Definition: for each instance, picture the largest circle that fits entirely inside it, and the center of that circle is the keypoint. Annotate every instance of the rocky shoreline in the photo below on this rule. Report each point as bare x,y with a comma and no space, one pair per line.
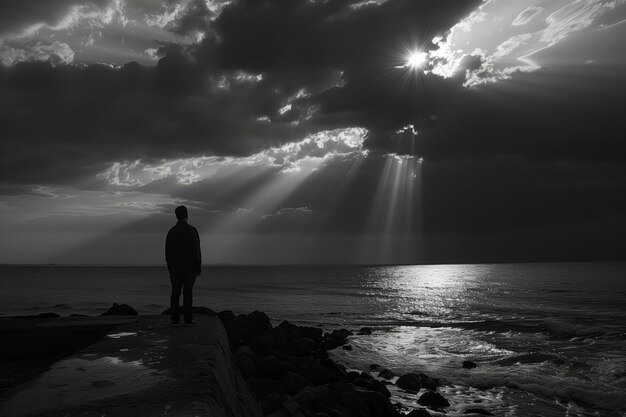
288,368
291,373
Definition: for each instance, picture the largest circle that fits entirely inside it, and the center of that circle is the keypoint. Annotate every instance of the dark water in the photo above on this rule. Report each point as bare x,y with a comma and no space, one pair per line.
549,339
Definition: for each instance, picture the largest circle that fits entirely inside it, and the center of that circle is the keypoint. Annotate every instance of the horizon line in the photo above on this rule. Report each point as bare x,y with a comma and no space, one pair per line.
321,264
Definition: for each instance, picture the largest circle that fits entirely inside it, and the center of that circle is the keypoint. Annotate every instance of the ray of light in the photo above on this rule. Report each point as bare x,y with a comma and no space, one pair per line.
391,217
235,227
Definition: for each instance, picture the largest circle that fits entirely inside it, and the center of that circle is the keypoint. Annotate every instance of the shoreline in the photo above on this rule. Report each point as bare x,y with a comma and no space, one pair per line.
286,367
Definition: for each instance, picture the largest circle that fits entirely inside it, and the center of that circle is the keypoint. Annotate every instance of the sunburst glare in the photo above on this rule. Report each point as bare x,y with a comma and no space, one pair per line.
416,59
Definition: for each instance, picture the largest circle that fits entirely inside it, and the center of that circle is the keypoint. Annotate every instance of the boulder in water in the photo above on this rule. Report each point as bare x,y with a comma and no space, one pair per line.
336,338
372,385
420,412
386,374
364,331
469,365
410,381
480,411
120,310
428,382
433,400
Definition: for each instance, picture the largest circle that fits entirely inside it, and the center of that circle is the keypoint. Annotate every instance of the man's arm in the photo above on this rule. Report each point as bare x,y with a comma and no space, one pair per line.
168,252
197,254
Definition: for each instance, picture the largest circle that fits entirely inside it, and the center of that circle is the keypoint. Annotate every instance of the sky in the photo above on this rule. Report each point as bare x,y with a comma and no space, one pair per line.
313,131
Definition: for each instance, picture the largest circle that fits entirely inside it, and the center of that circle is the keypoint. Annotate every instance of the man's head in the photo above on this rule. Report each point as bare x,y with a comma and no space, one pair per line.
181,213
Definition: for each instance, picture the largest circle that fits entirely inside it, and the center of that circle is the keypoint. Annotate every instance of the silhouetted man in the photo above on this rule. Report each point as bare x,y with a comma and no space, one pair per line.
182,253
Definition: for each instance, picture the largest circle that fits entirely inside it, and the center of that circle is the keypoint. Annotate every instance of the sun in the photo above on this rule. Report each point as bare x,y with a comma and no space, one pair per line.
416,59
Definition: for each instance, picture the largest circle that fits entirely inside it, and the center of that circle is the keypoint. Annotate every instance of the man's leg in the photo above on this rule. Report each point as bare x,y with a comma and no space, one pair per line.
188,297
177,286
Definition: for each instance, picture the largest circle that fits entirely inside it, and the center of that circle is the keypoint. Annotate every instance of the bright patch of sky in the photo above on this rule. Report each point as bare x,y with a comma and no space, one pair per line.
305,154
118,32
509,36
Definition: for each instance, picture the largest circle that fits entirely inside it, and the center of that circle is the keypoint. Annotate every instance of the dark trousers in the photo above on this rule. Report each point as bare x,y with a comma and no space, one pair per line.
184,283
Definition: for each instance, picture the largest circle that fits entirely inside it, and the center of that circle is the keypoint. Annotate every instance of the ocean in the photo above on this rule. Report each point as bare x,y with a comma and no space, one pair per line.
549,339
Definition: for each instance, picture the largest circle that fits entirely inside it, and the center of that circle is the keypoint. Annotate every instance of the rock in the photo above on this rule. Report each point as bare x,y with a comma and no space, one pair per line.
352,375
336,390
299,347
280,413
271,402
293,382
480,411
374,366
263,386
347,347
428,382
386,374
226,315
410,381
317,373
245,350
267,339
420,412
280,336
336,338
245,364
313,333
312,396
372,385
272,368
366,375
433,400
309,343
364,331
260,321
291,406
336,369
333,410
355,404
469,365
375,401
241,331
120,310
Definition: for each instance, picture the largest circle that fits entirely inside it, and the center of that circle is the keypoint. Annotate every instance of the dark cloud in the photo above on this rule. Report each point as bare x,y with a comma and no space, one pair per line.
70,121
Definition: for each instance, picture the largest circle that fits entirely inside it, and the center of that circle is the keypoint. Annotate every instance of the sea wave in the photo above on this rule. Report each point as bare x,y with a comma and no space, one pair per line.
603,396
554,327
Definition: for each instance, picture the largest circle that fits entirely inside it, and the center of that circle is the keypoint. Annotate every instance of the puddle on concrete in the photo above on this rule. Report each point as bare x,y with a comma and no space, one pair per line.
79,380
121,334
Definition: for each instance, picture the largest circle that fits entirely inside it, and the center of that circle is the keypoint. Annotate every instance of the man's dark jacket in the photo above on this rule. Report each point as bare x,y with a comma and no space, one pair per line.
182,249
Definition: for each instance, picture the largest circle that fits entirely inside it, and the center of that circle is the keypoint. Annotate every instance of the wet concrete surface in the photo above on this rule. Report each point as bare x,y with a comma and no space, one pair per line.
142,368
